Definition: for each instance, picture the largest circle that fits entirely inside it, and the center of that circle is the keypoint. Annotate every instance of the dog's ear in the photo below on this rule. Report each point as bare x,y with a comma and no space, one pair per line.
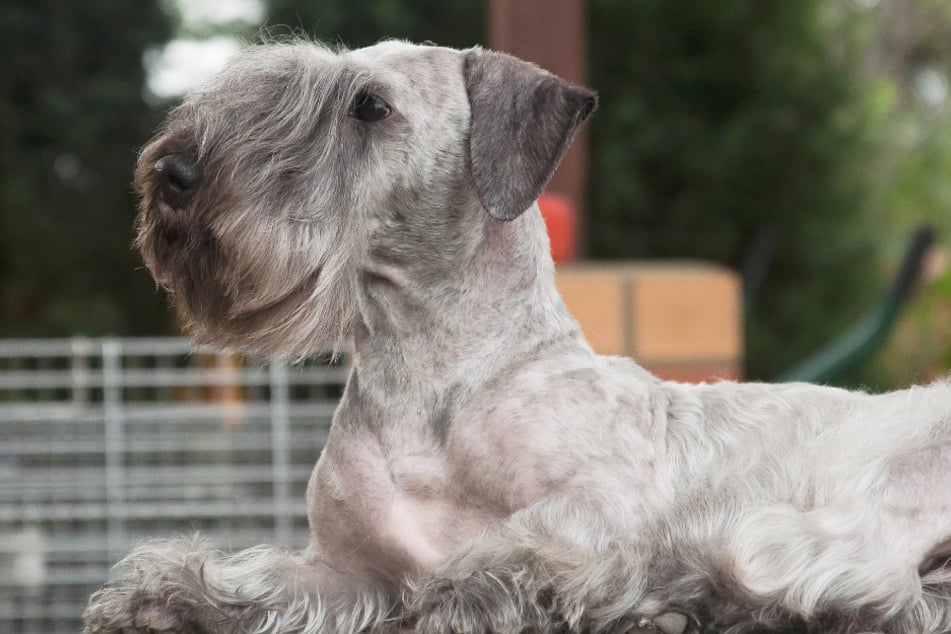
522,121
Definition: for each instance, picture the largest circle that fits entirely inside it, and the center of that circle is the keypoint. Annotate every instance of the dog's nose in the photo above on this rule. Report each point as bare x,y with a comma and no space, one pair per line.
178,179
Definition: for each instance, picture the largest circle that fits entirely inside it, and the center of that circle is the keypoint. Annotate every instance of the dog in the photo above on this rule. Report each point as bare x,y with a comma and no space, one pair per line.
486,471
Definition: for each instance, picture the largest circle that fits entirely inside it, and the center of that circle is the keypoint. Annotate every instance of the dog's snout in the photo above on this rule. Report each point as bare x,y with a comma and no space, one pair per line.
177,179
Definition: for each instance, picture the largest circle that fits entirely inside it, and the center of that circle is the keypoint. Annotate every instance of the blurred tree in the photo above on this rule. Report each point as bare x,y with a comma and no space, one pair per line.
457,23
908,55
73,113
721,121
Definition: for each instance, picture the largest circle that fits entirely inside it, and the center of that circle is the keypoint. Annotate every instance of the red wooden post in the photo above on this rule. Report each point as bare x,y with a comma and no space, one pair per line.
550,33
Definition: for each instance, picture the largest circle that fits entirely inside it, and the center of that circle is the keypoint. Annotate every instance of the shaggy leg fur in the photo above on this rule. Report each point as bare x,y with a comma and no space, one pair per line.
179,585
550,568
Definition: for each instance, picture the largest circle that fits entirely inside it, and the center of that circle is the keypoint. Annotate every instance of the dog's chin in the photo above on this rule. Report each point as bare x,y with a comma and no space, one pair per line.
305,321
232,312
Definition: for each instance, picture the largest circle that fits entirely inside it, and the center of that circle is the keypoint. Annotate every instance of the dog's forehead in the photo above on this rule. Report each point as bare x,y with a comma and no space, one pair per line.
399,52
379,52
392,61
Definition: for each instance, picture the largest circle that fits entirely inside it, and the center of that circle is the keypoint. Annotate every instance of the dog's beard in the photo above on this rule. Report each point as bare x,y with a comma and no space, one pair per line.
303,323
274,293
315,315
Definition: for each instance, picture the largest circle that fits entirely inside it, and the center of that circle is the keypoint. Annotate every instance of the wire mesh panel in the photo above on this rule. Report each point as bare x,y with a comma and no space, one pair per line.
105,442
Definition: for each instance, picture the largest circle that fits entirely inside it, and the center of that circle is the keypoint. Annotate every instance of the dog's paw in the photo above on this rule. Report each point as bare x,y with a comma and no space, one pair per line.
482,603
123,610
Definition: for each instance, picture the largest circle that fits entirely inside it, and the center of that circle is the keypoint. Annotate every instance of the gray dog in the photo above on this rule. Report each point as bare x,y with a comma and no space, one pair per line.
486,471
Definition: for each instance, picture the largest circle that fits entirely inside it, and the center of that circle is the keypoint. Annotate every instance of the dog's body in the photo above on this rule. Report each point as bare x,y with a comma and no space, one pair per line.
486,471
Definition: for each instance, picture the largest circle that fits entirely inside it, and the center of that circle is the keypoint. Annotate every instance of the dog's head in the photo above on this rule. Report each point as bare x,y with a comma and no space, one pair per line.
268,190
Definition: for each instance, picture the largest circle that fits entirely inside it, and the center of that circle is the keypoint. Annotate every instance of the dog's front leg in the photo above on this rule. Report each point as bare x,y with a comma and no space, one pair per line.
554,567
180,585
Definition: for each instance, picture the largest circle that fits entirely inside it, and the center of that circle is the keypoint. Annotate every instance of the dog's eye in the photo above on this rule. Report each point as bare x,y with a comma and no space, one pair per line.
367,107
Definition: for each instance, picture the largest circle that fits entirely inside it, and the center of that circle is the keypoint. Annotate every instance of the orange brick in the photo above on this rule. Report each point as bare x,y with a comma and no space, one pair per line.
686,313
681,320
595,297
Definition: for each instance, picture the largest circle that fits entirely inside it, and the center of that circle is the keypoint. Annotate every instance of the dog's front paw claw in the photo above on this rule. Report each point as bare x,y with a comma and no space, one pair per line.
479,604
668,623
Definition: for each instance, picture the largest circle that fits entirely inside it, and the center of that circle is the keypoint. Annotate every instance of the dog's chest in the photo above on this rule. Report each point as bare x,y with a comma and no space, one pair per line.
395,514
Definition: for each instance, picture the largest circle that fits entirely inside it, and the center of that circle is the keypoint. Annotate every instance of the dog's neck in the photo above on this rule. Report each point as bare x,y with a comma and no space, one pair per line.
495,310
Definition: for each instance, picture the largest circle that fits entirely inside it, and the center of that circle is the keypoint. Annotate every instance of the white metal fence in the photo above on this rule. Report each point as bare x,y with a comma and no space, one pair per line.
104,442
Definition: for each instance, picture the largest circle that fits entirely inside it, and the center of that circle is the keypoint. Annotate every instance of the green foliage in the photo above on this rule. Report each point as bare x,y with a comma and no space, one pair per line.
918,190
922,350
919,187
719,120
73,114
908,48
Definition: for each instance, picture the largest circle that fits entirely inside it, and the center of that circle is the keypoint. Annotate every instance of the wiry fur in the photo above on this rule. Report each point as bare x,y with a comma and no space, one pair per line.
182,585
274,146
486,471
